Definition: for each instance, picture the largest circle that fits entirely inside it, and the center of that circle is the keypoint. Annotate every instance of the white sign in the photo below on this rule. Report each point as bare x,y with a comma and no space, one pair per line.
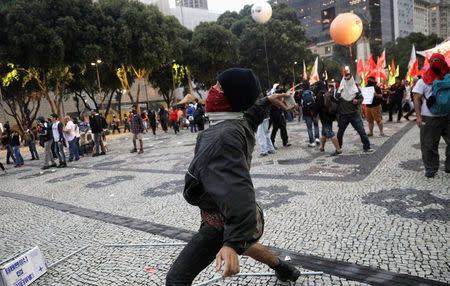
23,269
368,93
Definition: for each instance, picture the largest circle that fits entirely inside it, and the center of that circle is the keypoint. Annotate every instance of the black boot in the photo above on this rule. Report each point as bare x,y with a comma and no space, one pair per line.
286,272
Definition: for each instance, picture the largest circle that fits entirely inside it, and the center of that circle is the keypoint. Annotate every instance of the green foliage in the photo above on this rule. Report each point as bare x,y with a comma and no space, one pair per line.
400,50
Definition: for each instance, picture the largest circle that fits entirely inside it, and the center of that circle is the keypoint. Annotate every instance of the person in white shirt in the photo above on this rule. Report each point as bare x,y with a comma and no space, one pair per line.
407,98
58,138
70,134
432,126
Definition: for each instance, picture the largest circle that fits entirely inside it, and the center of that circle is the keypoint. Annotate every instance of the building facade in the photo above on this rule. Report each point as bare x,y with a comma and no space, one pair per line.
198,4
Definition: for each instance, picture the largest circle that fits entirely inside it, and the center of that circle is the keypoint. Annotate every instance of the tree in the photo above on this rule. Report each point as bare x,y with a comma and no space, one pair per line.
212,50
400,51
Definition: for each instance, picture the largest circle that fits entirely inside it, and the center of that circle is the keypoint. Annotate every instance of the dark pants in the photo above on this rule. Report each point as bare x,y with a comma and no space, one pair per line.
282,126
2,167
193,126
115,127
196,256
73,150
9,154
200,124
176,126
59,149
153,126
164,125
33,151
309,124
19,159
99,143
126,127
430,134
394,104
356,121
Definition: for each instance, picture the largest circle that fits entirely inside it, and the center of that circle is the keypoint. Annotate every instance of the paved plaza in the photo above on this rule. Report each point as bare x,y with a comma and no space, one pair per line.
362,219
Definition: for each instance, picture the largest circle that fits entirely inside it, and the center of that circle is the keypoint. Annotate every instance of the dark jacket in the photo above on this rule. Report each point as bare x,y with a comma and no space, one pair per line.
60,132
218,177
348,107
325,116
96,123
45,133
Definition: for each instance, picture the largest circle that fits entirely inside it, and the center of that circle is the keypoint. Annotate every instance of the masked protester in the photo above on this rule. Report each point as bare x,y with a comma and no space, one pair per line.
218,182
432,126
350,99
396,97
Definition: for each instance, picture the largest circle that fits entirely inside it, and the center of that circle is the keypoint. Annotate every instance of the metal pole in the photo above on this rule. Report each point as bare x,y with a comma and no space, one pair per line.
267,59
145,244
65,257
98,81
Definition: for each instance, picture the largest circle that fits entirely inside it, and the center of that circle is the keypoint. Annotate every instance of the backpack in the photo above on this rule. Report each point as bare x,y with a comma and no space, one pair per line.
439,102
309,99
330,105
27,137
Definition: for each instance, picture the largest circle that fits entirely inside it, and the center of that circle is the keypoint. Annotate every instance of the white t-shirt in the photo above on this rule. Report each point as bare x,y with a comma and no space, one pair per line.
77,130
408,91
55,131
426,90
70,127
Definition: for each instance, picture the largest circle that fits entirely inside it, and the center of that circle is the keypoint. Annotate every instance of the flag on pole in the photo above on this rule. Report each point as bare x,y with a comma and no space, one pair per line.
370,64
360,69
314,74
305,74
412,61
383,59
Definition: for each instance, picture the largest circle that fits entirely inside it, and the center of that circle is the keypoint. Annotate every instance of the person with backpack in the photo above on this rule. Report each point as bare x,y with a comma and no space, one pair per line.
97,124
6,142
15,143
199,117
326,107
137,129
152,121
350,99
46,141
30,139
190,114
308,99
278,120
432,105
373,110
163,118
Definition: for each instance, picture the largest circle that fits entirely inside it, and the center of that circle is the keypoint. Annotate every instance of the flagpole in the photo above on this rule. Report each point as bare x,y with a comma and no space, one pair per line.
267,59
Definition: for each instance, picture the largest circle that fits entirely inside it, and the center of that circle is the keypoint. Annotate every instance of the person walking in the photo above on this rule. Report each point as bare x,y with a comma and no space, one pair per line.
30,139
199,116
326,107
350,98
408,98
432,126
264,141
373,110
152,121
218,181
126,123
278,120
396,95
310,114
115,124
77,134
174,120
190,114
46,141
69,131
162,115
6,142
15,143
137,128
58,138
3,168
97,124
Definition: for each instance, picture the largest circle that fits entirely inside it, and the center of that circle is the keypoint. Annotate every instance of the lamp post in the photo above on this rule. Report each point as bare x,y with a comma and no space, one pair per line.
293,73
173,81
98,75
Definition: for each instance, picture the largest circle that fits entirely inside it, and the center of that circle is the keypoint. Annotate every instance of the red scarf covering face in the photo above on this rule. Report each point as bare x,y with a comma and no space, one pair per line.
437,70
216,101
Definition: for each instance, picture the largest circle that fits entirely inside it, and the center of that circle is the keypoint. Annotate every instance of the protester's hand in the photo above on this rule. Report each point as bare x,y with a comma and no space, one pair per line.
277,100
419,121
230,257
355,101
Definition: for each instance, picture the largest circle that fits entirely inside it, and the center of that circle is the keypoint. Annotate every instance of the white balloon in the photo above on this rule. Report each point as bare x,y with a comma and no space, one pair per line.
261,12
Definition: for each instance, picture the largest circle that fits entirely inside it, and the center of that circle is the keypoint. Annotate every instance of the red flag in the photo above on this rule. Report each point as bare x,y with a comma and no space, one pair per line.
343,72
426,63
360,69
393,68
415,68
305,75
370,64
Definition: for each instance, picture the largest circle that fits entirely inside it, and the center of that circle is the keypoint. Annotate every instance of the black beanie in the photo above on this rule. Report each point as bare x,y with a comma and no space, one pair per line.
241,87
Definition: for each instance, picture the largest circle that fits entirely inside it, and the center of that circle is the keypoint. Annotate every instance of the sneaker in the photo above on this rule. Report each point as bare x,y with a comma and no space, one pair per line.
407,118
32,159
141,151
272,152
322,150
430,174
133,151
287,145
52,165
317,141
103,153
383,135
370,135
95,155
312,145
263,155
370,150
62,165
286,272
336,153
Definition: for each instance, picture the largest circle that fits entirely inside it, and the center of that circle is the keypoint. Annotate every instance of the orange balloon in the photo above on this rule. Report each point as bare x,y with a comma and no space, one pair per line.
346,29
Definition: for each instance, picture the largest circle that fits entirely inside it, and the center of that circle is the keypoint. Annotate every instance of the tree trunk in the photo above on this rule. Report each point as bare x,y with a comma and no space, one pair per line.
109,103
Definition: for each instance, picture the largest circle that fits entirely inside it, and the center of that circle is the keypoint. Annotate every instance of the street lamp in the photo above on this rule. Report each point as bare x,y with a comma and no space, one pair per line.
98,75
293,72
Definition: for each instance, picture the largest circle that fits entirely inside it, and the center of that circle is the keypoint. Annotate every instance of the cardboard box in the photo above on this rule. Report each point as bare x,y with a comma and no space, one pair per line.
23,269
